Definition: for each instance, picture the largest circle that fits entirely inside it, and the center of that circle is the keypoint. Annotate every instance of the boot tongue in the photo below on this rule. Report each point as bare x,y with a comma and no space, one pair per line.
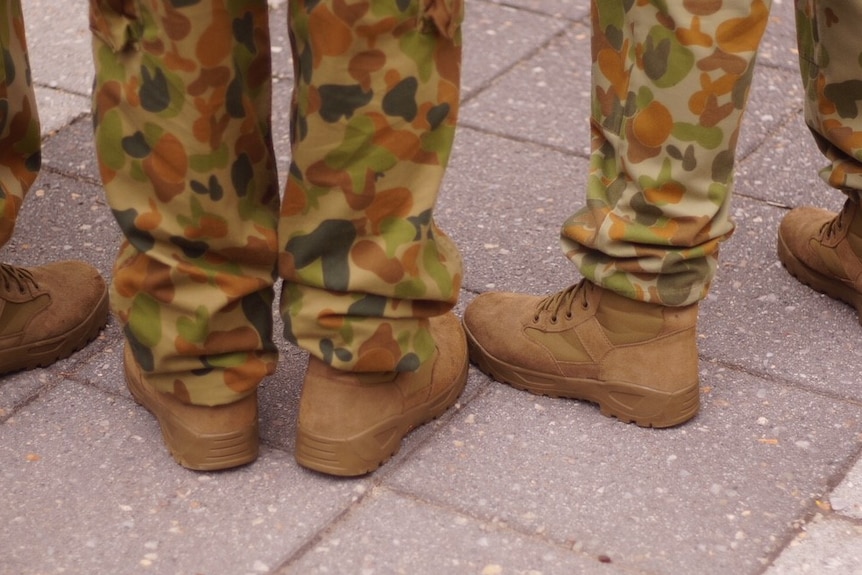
627,321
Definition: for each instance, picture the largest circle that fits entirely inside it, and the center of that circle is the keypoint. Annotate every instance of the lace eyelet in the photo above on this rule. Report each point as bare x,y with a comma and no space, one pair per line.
553,319
569,315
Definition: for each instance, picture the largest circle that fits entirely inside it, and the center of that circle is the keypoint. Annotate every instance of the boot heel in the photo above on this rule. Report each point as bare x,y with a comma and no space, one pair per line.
648,408
197,437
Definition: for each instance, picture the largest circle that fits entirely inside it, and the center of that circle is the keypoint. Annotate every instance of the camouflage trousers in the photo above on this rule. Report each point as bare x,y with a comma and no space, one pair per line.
20,141
670,85
182,114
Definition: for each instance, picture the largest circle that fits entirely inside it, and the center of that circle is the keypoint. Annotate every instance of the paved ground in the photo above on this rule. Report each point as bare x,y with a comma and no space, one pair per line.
766,479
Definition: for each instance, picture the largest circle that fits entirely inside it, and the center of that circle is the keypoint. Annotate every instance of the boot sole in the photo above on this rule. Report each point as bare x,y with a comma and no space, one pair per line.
47,351
628,402
193,449
834,288
364,453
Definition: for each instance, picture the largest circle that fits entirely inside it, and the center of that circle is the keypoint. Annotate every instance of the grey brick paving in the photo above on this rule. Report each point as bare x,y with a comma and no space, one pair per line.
766,480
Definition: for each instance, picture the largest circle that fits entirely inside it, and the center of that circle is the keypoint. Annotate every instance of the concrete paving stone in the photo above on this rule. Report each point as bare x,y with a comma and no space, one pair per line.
572,9
758,317
846,499
544,100
717,495
71,152
281,128
828,545
282,66
504,202
393,533
57,108
16,389
101,365
496,37
63,218
144,513
69,369
775,98
59,42
784,171
278,397
778,47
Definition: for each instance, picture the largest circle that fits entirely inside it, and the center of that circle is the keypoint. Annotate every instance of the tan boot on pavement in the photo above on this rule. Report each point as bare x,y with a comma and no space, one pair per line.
637,360
199,437
350,423
822,250
48,312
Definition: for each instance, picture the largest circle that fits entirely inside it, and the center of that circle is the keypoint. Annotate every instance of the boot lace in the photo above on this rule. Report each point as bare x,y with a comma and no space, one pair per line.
562,303
835,226
15,277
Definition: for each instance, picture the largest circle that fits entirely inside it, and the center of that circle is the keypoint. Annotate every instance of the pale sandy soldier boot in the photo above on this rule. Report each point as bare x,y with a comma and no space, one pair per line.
48,312
822,250
351,423
637,360
199,437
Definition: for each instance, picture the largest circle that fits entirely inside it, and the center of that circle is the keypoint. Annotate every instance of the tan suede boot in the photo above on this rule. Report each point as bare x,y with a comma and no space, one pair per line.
821,249
199,437
637,360
48,312
351,423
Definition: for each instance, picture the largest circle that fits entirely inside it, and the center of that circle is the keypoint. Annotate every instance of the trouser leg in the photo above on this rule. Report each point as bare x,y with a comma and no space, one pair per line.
375,107
20,142
830,58
670,84
181,112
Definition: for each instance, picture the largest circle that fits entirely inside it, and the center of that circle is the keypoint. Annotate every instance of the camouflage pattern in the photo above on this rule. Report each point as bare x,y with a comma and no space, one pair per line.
670,84
830,58
357,234
671,81
182,124
20,140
